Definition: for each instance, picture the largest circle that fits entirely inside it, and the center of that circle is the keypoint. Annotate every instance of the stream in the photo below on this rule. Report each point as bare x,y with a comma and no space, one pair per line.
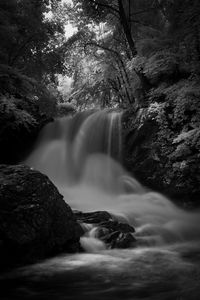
82,155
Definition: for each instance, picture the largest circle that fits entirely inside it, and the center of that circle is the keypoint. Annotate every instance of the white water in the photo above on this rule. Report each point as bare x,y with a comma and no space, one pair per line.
81,156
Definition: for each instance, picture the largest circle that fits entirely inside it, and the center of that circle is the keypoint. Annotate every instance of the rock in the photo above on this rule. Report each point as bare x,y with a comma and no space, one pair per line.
35,221
111,238
93,217
125,240
119,239
102,232
151,158
141,153
113,233
117,226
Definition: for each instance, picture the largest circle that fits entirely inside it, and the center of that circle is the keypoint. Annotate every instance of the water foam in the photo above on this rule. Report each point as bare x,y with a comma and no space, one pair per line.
81,155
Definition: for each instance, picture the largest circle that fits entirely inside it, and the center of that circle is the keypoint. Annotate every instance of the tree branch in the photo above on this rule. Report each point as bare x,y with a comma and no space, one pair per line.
102,47
106,6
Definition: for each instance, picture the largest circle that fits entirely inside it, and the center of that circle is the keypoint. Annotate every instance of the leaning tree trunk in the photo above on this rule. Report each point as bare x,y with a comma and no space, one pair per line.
126,27
127,30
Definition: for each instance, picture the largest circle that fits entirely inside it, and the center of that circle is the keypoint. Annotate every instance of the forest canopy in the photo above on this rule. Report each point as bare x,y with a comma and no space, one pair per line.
118,52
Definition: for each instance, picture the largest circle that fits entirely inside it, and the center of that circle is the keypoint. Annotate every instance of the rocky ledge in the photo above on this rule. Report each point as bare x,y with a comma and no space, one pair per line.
108,229
35,221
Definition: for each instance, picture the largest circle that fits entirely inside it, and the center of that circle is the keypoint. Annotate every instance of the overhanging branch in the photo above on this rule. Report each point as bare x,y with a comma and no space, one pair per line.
111,8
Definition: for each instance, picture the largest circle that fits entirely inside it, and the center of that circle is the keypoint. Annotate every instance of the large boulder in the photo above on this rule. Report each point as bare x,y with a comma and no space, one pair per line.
35,221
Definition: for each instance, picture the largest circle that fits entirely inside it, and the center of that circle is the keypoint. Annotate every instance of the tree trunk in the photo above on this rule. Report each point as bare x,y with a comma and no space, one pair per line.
126,27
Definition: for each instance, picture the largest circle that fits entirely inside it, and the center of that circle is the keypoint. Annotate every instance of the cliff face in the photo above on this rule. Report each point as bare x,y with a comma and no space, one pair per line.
152,155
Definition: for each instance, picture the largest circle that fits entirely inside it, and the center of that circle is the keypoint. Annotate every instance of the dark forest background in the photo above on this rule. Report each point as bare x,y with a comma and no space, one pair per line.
142,56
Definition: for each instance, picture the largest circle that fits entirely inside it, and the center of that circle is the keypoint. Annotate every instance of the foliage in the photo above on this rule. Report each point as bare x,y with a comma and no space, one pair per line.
163,63
31,40
181,113
25,105
30,95
12,118
106,42
17,128
28,40
176,110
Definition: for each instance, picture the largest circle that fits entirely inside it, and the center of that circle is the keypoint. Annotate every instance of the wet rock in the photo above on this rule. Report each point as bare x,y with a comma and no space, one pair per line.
114,225
119,239
93,217
35,221
111,238
113,233
102,232
125,240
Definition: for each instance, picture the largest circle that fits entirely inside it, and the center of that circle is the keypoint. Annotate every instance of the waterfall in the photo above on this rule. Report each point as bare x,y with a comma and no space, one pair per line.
81,155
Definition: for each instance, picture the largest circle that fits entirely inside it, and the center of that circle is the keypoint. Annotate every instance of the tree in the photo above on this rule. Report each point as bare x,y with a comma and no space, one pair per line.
123,20
28,40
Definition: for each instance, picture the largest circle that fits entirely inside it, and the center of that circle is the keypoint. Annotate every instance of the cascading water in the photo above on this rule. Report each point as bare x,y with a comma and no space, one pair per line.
81,155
